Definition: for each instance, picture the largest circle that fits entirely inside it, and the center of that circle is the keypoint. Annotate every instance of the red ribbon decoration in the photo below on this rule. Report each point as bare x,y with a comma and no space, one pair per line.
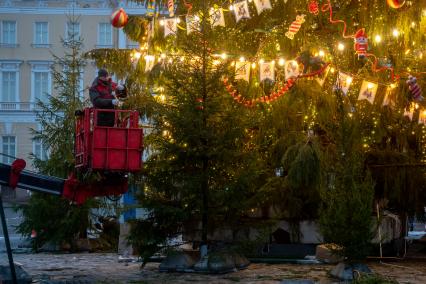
374,68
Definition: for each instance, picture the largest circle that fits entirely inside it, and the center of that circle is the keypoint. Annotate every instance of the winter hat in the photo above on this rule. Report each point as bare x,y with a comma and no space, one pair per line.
102,73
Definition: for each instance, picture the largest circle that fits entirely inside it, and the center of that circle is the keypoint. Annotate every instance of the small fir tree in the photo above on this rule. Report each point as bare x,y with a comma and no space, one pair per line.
56,116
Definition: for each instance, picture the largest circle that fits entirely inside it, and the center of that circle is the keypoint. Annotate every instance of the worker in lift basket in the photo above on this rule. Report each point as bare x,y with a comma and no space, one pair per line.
102,96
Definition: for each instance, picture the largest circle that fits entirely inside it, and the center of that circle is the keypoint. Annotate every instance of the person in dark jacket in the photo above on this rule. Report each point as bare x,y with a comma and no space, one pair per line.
102,96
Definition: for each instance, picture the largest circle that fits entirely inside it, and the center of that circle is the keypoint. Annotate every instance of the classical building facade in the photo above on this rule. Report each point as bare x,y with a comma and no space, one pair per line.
30,31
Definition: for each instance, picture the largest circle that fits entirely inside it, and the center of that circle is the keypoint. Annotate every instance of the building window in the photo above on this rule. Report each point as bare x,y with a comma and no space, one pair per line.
72,31
41,34
132,43
9,86
41,86
105,34
8,149
40,149
8,33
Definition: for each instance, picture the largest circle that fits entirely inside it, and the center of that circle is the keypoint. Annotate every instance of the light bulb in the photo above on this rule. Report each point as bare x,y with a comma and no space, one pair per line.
395,33
253,65
377,38
261,61
137,55
223,56
348,80
281,62
370,86
161,22
321,53
340,46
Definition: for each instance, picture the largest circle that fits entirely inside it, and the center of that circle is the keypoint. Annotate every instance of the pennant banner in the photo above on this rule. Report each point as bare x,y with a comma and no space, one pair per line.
389,99
192,24
368,91
242,70
321,78
149,62
217,17
241,10
262,5
267,71
344,82
291,69
170,26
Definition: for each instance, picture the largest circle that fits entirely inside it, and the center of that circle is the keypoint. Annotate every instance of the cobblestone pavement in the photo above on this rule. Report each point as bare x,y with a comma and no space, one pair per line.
105,268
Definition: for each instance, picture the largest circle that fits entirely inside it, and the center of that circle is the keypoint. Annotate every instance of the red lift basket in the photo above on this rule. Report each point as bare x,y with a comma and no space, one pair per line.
116,148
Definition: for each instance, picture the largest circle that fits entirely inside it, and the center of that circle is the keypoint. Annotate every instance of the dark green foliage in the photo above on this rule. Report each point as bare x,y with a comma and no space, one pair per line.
348,193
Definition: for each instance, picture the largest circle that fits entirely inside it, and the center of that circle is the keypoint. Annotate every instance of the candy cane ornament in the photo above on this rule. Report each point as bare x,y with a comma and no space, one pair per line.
295,26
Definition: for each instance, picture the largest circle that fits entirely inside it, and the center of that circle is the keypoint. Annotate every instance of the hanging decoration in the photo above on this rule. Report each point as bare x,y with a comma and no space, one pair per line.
361,43
396,4
267,71
414,88
242,70
295,26
389,99
422,117
149,62
192,23
313,7
262,5
217,17
343,83
170,26
321,78
171,8
280,91
409,111
291,69
368,91
119,18
150,8
241,10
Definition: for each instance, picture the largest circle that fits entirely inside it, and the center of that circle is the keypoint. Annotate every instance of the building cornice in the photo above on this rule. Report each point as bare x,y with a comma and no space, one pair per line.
66,10
18,117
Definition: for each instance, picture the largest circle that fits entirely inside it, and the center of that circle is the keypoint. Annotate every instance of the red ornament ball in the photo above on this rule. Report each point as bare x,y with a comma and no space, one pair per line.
396,4
119,18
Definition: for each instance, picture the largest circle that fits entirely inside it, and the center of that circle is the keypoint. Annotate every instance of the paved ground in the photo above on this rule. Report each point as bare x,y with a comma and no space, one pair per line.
105,268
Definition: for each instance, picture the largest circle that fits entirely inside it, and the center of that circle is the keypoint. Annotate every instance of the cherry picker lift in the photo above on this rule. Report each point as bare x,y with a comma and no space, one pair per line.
111,151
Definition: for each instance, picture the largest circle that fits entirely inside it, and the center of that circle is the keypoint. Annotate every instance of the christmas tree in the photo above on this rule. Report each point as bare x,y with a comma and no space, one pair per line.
237,91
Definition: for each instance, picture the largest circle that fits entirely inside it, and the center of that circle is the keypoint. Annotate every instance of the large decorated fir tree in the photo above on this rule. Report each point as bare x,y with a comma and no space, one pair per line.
246,100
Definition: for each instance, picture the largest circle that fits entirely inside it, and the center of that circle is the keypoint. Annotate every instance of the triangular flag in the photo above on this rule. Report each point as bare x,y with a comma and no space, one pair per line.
262,5
409,112
267,71
216,17
368,91
422,117
389,99
291,69
344,81
192,23
170,26
241,10
242,70
149,62
321,78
